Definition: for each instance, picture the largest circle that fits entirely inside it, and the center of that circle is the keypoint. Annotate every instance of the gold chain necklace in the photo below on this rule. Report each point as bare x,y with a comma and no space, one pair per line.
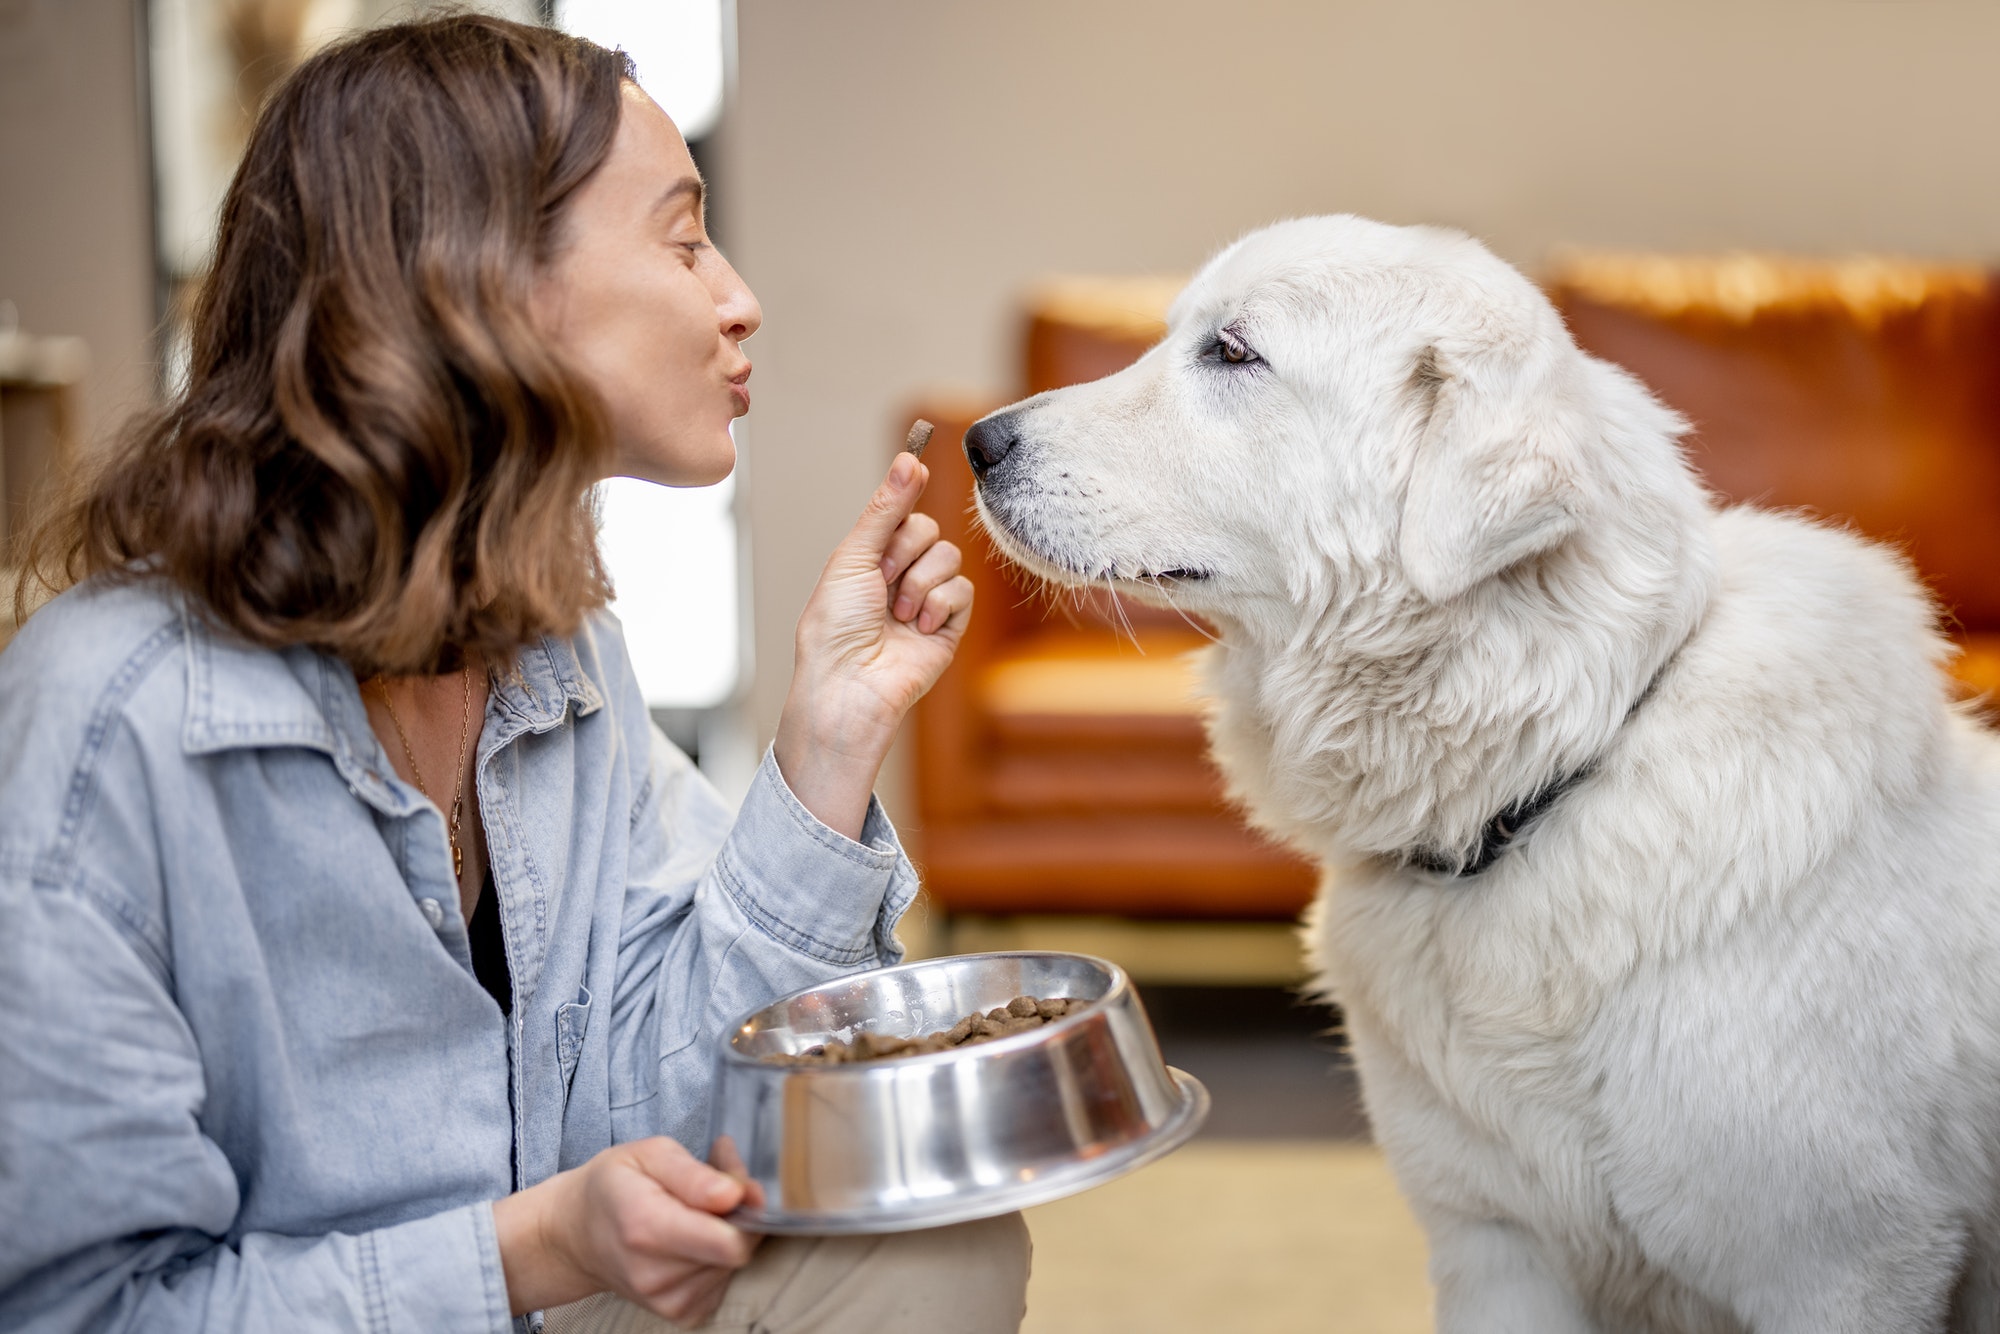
458,794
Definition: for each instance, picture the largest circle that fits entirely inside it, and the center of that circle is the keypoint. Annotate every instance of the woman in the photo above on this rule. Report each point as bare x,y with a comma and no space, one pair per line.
365,944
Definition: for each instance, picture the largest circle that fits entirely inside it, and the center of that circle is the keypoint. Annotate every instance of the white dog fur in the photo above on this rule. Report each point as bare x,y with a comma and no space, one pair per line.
1715,1045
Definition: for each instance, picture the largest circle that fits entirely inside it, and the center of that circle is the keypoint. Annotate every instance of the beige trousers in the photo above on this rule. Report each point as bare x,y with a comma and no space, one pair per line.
968,1279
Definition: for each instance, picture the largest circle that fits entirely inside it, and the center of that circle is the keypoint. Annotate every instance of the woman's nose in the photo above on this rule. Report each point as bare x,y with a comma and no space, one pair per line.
737,305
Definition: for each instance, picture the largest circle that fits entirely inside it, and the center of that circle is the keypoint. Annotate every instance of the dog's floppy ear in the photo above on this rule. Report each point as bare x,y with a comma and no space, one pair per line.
1494,479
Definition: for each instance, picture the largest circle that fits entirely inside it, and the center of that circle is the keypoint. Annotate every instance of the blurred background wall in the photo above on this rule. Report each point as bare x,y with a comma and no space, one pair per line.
894,172
76,231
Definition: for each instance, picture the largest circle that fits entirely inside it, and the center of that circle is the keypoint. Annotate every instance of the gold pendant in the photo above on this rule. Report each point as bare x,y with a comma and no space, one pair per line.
457,862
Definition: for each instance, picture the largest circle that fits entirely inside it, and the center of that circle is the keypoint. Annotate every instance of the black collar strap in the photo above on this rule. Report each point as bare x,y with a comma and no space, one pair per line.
1501,831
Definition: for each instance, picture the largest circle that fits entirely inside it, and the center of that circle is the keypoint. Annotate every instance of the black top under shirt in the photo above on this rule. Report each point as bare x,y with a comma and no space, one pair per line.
489,947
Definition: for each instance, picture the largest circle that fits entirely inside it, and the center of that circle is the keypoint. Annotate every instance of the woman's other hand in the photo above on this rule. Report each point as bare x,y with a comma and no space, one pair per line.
642,1220
877,632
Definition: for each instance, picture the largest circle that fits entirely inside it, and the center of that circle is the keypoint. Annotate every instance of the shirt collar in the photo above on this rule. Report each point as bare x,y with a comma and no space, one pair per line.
244,697
240,695
545,681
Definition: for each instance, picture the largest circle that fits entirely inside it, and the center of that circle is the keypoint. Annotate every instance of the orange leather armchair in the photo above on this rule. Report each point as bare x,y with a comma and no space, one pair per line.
1863,390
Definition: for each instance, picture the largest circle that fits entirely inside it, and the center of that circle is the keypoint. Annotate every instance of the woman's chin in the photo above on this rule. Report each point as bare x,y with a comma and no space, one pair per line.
721,465
682,464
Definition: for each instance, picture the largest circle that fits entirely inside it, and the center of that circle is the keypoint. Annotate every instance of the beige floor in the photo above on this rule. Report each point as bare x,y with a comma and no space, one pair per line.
1234,1238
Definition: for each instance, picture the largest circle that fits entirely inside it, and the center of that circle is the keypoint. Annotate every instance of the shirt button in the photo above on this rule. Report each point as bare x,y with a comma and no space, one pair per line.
433,912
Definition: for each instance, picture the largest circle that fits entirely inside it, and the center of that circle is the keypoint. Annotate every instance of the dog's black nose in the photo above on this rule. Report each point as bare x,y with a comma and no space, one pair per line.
988,442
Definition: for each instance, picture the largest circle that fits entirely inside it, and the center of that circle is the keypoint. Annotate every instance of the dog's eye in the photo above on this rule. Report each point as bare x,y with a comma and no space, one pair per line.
1228,347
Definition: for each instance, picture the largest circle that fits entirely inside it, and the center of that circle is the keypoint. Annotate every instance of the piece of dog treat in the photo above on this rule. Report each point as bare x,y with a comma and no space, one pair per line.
919,436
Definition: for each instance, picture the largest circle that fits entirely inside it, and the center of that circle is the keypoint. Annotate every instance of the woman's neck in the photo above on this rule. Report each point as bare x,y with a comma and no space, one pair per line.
429,727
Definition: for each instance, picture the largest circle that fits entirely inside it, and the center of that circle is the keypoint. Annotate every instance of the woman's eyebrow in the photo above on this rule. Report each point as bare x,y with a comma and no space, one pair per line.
686,188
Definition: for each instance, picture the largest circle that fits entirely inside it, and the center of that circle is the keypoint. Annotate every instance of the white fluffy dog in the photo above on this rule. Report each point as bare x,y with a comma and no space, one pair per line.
1662,880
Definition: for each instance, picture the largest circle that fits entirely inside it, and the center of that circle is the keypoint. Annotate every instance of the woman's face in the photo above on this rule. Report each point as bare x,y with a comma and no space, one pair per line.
648,310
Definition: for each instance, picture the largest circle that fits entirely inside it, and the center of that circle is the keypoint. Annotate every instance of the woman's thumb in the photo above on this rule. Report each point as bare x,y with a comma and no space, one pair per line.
685,1177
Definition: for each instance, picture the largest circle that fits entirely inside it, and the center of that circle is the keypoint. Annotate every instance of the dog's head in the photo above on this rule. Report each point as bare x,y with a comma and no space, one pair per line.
1340,408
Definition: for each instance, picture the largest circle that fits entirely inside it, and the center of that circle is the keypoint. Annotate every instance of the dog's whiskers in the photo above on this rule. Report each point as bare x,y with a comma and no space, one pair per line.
1160,587
1124,621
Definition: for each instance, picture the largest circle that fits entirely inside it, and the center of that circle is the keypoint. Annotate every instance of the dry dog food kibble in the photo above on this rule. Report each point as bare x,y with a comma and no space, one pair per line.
919,437
1016,1016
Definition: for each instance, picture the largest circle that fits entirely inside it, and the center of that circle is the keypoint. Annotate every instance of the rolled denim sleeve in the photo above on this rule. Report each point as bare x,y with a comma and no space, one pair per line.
727,914
117,1207
810,888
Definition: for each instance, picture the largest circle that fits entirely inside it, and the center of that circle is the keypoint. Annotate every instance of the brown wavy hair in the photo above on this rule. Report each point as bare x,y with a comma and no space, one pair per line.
376,453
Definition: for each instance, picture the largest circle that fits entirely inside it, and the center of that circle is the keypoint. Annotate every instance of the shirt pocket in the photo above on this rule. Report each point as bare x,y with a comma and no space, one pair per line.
572,1022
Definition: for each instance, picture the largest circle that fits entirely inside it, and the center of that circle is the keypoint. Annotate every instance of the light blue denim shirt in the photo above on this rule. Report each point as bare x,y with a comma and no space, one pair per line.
248,1080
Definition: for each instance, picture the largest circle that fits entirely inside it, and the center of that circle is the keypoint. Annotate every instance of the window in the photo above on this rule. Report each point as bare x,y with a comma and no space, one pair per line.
673,561
677,46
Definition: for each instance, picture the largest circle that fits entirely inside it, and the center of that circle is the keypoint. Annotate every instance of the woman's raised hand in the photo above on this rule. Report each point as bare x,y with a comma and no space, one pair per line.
642,1220
878,631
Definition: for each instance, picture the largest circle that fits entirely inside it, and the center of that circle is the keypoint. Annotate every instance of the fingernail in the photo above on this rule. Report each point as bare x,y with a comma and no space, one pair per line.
903,471
903,609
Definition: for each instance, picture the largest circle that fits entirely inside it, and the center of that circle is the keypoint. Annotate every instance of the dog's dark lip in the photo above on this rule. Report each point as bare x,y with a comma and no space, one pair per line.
1070,570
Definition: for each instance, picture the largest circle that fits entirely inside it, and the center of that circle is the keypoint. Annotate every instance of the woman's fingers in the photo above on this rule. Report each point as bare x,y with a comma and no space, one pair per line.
673,1233
685,1177
637,1219
916,535
946,605
857,671
936,566
685,1226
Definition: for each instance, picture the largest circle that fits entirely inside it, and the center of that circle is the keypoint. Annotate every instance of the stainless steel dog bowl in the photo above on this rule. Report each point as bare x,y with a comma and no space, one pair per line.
922,1141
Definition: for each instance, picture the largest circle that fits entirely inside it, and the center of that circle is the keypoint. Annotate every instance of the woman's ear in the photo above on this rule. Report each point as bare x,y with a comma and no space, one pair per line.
1495,476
